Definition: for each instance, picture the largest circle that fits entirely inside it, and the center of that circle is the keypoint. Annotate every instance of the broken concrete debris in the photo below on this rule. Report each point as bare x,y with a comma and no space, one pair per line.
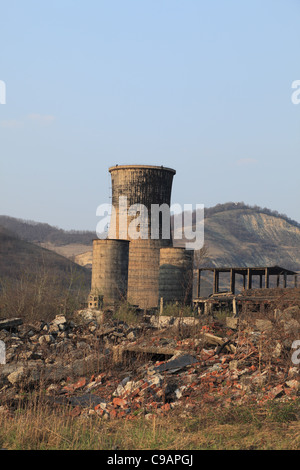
115,370
176,364
10,323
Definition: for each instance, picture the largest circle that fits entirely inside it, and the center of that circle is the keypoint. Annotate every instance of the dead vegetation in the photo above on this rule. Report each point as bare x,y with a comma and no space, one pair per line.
122,379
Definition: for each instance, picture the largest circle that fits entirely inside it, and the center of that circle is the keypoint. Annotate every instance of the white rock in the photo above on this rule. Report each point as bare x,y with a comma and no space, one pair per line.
16,376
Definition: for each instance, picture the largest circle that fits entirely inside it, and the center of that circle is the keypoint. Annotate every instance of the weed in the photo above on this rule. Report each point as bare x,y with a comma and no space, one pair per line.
177,310
127,314
283,412
239,427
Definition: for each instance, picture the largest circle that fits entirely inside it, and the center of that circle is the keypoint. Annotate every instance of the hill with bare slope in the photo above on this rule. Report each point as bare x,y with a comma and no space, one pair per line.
247,237
18,256
235,235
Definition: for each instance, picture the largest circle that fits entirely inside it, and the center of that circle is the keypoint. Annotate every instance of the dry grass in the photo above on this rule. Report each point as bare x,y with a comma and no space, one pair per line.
41,427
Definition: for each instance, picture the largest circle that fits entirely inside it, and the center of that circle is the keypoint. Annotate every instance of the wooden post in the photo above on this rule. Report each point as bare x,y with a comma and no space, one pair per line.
249,283
232,281
234,310
198,282
206,308
244,281
216,282
161,307
266,278
260,281
284,280
278,280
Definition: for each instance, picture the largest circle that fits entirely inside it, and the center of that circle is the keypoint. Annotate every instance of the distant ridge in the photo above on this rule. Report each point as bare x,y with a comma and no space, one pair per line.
241,235
38,232
208,212
236,234
18,256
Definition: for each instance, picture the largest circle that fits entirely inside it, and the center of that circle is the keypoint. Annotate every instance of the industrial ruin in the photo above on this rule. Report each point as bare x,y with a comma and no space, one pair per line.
100,364
246,288
150,272
140,270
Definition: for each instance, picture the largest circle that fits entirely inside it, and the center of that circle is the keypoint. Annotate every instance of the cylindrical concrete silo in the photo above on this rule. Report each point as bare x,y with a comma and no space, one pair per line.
176,275
110,269
151,187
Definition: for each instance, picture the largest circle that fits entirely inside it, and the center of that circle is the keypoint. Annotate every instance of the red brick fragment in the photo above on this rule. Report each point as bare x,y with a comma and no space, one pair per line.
81,383
166,407
75,411
119,402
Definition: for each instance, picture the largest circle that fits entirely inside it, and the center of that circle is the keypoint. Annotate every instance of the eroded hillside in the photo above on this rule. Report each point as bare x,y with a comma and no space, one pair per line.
234,235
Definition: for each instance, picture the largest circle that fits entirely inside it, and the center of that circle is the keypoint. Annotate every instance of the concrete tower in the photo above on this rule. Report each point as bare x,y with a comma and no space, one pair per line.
110,271
146,185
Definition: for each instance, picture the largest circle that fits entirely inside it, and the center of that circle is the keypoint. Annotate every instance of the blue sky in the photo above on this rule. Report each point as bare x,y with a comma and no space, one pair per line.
202,87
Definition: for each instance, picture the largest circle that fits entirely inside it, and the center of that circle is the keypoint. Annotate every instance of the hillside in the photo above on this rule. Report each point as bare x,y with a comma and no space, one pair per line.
37,232
240,235
19,256
36,283
235,235
67,243
246,237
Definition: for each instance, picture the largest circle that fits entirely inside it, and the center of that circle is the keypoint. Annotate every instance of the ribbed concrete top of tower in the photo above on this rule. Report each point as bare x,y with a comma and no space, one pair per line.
143,167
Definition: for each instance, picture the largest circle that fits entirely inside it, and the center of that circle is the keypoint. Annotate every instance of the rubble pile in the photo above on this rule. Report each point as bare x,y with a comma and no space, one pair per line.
115,370
277,297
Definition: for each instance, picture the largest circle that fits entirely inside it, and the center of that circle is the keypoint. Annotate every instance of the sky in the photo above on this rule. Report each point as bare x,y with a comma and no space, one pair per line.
203,87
